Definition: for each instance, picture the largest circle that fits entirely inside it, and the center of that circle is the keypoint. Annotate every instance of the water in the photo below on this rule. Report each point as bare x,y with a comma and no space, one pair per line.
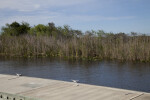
127,75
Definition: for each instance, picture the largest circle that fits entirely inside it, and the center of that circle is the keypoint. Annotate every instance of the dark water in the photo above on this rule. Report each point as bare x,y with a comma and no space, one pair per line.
132,76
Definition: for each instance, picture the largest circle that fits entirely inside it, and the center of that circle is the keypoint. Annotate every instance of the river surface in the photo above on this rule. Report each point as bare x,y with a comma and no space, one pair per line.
124,75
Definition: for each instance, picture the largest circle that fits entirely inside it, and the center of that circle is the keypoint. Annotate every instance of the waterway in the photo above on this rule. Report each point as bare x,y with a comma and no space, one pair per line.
124,75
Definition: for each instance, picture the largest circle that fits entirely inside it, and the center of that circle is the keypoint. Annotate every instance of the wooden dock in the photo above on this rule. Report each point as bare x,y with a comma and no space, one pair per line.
47,89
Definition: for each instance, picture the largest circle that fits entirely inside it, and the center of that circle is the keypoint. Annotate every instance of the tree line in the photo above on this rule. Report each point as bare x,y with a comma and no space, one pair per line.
21,40
17,29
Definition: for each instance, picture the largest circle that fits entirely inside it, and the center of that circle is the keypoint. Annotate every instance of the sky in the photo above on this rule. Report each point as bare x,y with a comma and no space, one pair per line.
108,15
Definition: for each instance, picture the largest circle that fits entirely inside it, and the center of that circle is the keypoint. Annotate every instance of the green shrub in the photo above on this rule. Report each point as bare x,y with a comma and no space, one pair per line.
15,29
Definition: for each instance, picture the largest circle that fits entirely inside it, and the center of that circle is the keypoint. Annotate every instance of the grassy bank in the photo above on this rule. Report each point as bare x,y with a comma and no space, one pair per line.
91,47
21,40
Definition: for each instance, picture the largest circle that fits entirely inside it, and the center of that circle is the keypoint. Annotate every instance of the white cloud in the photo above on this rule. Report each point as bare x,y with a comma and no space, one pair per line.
31,5
60,18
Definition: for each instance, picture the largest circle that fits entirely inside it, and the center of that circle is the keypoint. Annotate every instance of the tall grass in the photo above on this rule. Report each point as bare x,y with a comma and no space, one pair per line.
114,46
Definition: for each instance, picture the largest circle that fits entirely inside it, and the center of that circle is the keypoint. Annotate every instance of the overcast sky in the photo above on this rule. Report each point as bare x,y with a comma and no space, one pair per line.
108,15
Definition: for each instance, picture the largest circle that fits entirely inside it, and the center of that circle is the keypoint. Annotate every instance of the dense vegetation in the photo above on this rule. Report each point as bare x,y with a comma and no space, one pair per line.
48,40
